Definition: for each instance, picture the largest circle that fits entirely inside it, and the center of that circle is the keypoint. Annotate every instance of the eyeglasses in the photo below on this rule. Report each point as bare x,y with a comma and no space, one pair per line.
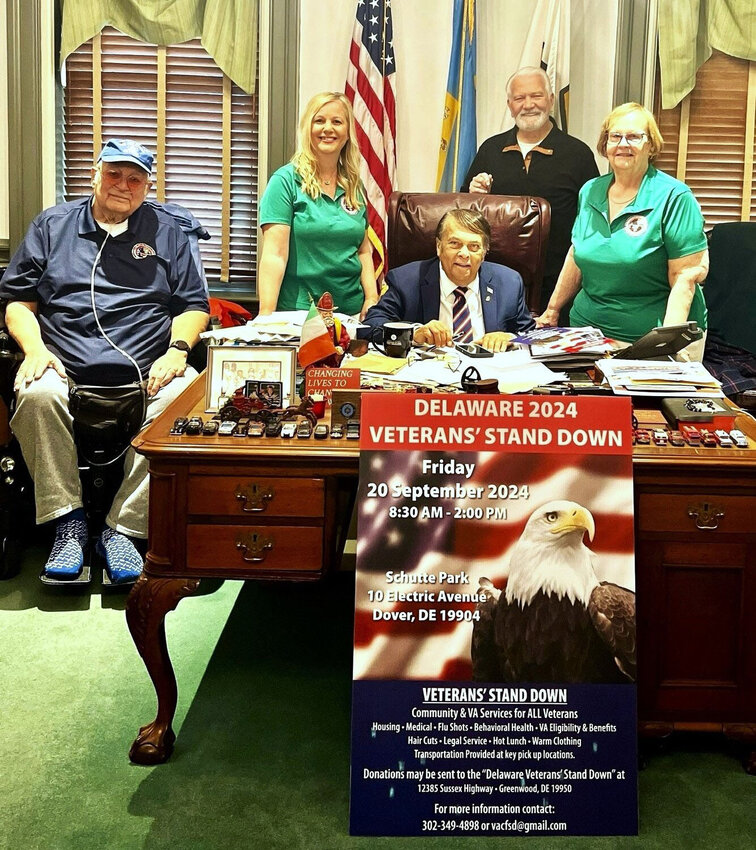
115,176
633,139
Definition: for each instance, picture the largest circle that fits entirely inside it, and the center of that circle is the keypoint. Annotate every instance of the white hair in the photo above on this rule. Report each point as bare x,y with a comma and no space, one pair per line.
527,71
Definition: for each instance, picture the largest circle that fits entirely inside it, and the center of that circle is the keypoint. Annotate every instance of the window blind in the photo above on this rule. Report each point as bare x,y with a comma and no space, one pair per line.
203,129
709,139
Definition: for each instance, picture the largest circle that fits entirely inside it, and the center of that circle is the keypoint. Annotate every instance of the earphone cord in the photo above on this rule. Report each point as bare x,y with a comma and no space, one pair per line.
97,318
109,340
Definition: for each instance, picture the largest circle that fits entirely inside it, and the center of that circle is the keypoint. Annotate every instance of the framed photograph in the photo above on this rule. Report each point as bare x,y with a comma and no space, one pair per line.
234,367
251,388
270,392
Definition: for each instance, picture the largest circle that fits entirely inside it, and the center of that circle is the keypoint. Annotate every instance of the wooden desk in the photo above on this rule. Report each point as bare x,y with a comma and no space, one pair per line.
278,509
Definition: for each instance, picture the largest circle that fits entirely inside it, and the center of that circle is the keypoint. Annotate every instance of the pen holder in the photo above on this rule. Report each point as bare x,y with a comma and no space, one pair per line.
473,383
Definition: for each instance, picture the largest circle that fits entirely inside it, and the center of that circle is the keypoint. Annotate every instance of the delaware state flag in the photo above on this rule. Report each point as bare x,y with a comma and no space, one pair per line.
458,130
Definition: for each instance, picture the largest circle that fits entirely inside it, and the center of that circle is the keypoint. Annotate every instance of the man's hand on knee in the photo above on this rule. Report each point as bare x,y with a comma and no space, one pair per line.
171,365
35,363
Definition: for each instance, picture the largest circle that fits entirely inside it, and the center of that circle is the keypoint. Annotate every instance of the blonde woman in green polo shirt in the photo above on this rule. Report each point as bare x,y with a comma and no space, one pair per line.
638,249
314,219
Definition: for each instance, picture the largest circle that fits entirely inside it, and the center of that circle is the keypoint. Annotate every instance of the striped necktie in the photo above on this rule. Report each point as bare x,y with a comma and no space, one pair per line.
462,322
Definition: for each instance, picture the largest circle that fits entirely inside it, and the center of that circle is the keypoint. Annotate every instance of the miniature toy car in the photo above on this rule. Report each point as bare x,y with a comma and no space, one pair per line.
676,438
641,437
709,439
304,429
739,438
691,434
288,430
194,425
320,432
210,428
179,425
256,429
660,437
227,428
242,426
724,438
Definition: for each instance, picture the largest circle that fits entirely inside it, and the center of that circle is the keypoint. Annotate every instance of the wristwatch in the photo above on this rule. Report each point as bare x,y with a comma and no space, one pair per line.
181,345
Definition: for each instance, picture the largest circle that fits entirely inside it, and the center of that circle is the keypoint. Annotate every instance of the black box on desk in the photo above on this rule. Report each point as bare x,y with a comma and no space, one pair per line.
706,413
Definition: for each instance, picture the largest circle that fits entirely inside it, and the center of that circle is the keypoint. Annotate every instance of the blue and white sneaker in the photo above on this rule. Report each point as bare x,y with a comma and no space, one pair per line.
123,562
67,555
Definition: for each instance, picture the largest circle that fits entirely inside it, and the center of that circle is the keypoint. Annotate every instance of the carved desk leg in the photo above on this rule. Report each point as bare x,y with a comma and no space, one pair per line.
746,734
148,603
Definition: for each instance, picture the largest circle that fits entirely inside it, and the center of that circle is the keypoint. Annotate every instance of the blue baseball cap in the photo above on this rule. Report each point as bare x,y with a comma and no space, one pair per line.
127,150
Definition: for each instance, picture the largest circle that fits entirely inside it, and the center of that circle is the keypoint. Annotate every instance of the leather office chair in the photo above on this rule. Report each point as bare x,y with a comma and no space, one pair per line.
520,227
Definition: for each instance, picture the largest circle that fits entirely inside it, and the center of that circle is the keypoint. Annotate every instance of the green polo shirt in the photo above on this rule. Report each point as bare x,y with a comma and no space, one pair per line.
624,264
323,243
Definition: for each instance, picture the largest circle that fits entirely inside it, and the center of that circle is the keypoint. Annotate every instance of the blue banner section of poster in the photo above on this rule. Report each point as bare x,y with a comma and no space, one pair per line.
459,758
494,643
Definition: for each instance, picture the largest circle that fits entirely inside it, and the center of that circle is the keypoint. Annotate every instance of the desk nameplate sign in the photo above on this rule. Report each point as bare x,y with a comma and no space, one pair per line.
324,381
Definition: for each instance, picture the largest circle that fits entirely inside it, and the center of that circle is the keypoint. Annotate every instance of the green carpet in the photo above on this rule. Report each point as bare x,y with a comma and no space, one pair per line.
262,756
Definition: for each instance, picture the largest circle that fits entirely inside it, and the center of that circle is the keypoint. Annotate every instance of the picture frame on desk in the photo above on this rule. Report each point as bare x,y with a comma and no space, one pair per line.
233,367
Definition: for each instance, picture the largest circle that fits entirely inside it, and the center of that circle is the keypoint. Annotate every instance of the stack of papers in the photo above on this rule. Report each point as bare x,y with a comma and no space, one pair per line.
566,348
284,326
659,378
515,371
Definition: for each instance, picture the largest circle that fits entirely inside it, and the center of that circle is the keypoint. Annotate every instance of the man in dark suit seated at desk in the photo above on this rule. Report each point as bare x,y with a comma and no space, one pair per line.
456,295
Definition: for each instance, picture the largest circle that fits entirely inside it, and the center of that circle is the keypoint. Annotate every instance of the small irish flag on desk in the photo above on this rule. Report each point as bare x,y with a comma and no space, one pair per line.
316,343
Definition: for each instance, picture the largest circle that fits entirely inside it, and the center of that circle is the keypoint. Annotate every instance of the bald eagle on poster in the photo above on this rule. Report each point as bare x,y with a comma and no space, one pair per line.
555,621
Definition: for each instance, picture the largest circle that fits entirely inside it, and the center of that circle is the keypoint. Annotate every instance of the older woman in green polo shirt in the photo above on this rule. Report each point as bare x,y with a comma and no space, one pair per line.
638,249
314,220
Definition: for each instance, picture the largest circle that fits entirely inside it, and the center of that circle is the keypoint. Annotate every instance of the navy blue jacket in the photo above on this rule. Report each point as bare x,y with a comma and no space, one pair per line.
414,295
145,277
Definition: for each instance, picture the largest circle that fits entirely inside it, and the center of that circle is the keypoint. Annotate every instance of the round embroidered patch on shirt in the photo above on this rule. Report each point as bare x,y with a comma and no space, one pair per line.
347,207
636,225
142,250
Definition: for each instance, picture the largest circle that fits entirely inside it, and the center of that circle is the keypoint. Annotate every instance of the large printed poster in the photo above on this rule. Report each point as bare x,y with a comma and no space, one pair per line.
494,649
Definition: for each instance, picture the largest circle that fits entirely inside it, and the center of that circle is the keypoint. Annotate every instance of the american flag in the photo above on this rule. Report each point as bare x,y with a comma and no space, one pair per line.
370,87
397,649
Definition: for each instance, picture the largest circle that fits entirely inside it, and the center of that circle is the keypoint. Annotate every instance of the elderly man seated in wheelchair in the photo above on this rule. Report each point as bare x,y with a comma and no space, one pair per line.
103,292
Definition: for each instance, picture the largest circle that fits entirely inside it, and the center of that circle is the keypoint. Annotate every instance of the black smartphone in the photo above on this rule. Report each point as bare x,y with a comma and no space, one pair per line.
470,349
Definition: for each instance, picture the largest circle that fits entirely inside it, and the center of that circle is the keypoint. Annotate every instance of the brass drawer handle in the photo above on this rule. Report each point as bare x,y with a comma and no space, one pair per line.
253,497
254,547
706,515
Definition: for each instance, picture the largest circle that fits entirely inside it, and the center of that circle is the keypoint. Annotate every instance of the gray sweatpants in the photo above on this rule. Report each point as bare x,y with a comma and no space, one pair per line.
44,429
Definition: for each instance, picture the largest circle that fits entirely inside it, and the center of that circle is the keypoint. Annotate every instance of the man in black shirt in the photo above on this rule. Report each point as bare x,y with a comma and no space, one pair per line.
535,158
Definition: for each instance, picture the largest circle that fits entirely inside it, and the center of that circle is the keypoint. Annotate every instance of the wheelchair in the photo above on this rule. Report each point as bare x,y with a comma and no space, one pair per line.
100,473
16,488
100,464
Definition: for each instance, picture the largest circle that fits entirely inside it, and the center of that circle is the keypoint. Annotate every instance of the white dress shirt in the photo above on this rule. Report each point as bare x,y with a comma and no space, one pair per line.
472,296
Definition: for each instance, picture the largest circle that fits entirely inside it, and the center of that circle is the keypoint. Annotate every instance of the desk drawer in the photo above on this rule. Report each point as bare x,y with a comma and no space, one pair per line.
696,512
246,496
284,548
